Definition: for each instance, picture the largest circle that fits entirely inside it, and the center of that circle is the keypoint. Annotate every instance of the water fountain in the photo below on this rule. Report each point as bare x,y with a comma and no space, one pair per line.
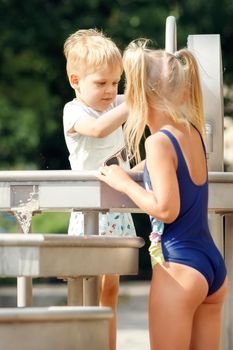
71,190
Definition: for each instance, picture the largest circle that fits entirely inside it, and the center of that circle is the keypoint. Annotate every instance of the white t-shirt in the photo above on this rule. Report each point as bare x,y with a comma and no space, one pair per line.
86,152
89,153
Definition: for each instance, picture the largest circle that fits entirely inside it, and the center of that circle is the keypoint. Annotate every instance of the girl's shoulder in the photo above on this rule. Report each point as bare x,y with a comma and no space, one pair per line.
158,140
158,146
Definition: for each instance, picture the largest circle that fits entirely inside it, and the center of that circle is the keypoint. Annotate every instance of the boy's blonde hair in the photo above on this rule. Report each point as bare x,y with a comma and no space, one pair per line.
88,49
166,82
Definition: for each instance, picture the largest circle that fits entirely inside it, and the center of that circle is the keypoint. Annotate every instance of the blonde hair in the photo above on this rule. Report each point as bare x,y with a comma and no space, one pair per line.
87,49
166,82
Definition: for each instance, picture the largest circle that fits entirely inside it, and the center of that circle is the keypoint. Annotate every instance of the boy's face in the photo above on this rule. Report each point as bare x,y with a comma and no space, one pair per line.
98,89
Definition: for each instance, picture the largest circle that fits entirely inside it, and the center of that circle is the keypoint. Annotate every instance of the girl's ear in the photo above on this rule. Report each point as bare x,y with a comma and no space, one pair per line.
74,81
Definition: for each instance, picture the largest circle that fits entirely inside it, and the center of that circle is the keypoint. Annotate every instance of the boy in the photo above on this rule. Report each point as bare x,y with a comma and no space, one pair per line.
93,132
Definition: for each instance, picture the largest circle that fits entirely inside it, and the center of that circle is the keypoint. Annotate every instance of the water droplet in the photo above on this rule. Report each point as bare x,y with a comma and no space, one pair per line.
24,211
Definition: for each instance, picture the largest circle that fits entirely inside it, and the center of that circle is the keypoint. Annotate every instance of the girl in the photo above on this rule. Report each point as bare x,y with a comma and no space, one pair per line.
189,284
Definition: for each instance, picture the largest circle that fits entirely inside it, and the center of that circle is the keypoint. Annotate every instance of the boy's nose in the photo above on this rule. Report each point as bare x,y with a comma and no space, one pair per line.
110,89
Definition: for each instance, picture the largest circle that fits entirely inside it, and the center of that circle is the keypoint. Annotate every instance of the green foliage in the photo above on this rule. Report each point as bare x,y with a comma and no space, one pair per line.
33,84
7,223
50,223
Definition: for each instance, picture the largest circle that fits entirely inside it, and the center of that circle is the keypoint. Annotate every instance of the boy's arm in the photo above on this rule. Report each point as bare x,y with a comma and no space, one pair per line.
139,167
104,125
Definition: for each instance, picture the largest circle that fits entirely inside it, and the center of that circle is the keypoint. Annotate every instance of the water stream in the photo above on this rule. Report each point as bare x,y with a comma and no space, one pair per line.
24,211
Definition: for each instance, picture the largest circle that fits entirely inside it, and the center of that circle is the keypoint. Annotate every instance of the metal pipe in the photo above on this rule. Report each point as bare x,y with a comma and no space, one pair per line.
228,315
220,177
85,291
75,291
63,240
91,285
24,287
46,175
24,291
28,177
170,35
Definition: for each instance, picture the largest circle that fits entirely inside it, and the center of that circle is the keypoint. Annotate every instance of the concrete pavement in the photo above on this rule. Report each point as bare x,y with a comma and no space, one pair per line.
132,326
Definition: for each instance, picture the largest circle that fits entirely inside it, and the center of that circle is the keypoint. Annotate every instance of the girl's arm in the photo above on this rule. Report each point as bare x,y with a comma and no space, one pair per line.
162,166
163,202
104,125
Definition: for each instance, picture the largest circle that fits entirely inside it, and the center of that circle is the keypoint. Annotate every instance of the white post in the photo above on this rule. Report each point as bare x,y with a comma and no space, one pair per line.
24,287
228,315
91,285
207,50
24,291
85,291
75,291
170,35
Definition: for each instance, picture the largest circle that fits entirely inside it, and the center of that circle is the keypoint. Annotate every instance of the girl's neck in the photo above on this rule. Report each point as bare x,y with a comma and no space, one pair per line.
158,121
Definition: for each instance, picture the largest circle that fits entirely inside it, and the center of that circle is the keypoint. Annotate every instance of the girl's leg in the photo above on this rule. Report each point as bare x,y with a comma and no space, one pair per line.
207,321
109,297
176,292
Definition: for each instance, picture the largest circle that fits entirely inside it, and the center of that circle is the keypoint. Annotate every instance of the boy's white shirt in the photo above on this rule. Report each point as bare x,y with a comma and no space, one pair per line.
86,152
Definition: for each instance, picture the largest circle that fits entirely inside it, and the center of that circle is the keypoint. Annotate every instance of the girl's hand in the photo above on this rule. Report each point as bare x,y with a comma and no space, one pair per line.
115,177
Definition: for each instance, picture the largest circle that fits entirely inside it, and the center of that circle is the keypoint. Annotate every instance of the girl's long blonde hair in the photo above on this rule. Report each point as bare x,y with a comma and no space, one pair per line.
169,83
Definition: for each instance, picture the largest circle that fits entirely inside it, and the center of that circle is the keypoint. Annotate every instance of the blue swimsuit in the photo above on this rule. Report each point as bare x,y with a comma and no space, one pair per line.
187,240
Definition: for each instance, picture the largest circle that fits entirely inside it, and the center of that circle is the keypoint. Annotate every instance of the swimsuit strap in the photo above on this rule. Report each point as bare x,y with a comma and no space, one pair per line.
174,142
182,167
202,141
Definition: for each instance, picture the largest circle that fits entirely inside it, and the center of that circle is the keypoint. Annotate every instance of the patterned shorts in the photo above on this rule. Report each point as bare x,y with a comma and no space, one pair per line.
110,224
155,249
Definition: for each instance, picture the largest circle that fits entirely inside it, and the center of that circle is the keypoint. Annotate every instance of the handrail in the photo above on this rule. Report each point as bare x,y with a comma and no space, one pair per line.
73,175
220,177
54,313
68,190
46,175
64,240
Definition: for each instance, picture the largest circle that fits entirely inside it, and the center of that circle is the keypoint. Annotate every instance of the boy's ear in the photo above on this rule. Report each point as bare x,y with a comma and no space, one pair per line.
74,80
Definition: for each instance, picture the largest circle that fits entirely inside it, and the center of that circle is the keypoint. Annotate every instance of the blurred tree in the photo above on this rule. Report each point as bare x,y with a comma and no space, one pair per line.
33,85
